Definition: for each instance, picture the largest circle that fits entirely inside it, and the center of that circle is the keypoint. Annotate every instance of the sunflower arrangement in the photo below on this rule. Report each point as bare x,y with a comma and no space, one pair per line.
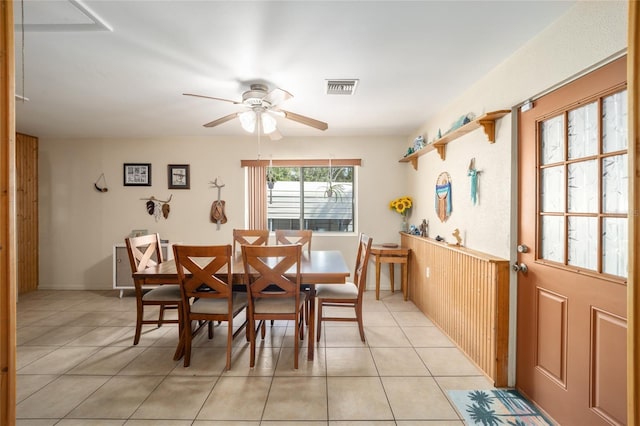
402,205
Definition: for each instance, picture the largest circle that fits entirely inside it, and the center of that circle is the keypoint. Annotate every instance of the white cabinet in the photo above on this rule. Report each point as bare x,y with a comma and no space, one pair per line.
122,279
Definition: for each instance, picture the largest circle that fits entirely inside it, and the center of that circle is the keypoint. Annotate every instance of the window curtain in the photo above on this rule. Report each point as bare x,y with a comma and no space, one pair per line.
257,194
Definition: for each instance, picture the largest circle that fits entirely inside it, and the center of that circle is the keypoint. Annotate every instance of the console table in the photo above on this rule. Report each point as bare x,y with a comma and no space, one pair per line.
391,255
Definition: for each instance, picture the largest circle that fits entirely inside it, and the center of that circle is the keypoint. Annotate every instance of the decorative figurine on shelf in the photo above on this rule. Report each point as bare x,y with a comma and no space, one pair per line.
418,143
439,238
456,235
409,151
424,228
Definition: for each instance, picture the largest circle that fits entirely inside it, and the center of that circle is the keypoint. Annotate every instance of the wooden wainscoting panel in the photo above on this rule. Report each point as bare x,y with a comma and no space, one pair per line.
466,294
27,212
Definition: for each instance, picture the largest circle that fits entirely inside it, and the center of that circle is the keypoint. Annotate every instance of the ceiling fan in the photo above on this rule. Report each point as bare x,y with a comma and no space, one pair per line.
260,104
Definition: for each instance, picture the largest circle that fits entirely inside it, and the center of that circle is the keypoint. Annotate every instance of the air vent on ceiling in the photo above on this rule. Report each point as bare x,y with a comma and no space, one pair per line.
341,87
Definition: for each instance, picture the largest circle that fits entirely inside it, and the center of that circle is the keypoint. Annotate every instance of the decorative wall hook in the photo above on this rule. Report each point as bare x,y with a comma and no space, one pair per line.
157,207
103,180
217,208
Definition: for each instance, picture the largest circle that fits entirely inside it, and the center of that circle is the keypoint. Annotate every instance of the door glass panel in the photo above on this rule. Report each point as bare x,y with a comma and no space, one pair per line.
552,138
552,244
583,242
615,250
614,122
615,177
552,194
583,131
583,187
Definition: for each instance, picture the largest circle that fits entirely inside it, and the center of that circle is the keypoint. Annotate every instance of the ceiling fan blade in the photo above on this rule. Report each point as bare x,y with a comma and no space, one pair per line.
320,125
275,135
221,120
211,97
277,96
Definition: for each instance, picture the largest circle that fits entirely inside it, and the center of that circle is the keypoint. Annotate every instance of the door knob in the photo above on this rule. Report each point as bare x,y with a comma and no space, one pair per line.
520,267
523,248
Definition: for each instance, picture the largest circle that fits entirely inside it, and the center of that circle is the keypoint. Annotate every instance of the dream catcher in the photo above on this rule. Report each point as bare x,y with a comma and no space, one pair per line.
158,208
443,196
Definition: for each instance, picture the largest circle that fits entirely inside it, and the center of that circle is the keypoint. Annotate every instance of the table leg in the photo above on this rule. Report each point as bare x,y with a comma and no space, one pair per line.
391,277
311,335
377,278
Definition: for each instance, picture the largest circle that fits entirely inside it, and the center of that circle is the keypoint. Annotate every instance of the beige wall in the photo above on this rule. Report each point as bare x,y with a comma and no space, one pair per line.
587,34
79,225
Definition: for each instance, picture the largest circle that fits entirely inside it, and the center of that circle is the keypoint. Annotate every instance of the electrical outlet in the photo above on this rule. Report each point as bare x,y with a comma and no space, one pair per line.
427,272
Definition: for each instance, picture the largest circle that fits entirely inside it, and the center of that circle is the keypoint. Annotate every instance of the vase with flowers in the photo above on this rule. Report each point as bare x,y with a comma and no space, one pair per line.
402,206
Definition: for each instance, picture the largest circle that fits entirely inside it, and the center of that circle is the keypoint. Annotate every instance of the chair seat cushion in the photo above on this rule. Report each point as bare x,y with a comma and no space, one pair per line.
218,306
163,293
337,291
277,305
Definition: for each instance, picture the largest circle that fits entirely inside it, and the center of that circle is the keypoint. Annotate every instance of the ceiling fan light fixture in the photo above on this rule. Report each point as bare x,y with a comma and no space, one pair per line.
248,121
268,123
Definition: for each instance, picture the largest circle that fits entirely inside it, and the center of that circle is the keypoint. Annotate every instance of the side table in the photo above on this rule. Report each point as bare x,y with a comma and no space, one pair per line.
391,255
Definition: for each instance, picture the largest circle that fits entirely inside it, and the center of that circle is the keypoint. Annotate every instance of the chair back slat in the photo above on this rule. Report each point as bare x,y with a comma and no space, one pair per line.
204,271
272,271
144,251
295,236
362,260
254,237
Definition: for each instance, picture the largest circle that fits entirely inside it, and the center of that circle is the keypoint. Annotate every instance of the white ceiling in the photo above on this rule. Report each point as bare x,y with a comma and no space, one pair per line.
411,58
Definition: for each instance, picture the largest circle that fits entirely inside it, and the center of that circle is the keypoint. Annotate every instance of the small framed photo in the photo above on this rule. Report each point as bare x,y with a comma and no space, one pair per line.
178,177
137,174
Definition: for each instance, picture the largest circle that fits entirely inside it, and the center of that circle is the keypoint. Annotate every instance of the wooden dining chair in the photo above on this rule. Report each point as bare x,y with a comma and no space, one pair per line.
145,251
295,236
254,237
272,294
302,237
207,293
347,295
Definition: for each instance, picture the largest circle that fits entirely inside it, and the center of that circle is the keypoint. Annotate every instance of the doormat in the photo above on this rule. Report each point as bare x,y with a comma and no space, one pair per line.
493,407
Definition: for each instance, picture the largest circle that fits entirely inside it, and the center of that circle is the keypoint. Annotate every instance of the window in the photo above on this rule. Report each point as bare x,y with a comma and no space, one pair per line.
583,178
316,198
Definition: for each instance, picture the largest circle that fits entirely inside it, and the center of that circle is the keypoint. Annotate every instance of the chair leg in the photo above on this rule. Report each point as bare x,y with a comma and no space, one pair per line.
263,330
161,316
187,343
360,324
210,326
319,319
139,315
229,341
252,340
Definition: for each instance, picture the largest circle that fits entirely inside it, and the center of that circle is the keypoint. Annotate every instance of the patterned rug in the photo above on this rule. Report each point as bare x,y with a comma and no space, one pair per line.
493,407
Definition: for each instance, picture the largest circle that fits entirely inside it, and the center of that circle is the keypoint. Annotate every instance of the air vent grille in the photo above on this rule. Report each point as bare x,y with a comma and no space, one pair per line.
341,87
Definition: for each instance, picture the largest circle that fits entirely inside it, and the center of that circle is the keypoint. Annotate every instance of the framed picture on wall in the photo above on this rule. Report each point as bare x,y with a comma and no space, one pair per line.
178,176
137,174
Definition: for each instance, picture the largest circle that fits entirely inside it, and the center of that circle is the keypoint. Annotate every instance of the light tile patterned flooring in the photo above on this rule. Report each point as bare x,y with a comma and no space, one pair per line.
77,366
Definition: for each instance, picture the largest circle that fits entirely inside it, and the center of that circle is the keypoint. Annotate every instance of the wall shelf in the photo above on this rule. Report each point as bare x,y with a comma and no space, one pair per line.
486,121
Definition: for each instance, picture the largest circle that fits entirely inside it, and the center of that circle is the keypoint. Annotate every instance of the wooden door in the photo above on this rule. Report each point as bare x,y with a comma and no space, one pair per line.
573,202
27,212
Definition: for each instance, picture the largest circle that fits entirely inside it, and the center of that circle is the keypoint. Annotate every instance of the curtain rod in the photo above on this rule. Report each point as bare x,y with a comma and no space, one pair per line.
319,162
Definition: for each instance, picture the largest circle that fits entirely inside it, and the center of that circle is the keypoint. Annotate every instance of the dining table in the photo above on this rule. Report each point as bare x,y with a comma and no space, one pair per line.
316,267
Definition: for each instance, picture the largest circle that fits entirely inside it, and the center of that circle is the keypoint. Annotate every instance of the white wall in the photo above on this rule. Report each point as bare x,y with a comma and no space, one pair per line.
79,225
587,34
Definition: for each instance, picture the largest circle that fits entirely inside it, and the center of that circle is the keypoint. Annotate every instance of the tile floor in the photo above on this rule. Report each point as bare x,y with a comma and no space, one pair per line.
77,366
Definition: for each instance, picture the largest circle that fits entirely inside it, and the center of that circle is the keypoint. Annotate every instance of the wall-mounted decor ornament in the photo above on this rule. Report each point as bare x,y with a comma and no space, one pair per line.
158,208
101,183
473,173
443,196
217,208
424,228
